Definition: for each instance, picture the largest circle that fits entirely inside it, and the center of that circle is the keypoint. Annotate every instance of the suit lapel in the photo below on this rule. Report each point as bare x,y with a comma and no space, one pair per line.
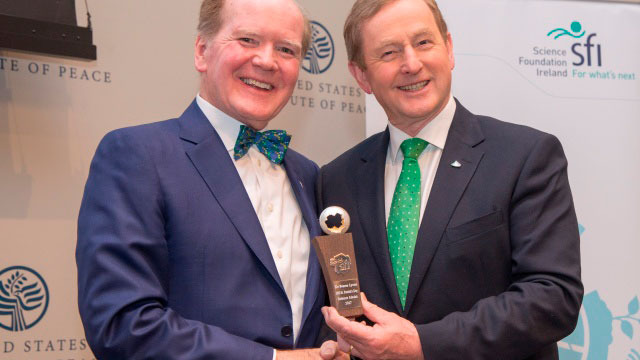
304,193
449,185
369,187
214,164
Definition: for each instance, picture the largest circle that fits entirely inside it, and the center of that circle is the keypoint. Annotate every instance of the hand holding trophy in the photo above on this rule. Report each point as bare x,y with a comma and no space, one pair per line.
338,261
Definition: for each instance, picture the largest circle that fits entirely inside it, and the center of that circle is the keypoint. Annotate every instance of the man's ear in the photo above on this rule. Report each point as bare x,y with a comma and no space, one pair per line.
449,44
200,59
360,76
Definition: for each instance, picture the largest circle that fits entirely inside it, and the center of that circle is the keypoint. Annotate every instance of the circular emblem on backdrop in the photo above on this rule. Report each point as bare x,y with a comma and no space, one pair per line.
319,57
600,333
24,298
334,220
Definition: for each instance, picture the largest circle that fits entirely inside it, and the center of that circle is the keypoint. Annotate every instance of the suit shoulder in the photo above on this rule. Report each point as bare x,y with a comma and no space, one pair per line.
144,135
144,131
508,133
355,154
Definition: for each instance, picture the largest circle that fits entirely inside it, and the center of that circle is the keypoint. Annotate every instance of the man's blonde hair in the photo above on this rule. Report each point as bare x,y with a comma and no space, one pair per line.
210,21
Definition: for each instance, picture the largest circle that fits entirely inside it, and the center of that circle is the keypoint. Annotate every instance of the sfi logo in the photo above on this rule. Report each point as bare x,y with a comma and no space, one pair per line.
583,57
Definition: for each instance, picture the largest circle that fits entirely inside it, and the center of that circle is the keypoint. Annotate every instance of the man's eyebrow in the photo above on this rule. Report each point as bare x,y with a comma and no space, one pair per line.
421,33
245,32
385,43
294,44
392,42
250,33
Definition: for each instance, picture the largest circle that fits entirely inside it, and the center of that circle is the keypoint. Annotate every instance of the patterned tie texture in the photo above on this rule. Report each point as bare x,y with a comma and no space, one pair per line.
404,215
272,143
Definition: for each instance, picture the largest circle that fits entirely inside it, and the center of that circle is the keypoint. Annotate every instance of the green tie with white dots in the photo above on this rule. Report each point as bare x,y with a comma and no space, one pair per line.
404,215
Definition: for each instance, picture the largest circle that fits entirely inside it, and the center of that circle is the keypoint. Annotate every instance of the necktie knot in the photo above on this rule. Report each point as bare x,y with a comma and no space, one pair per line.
413,147
271,143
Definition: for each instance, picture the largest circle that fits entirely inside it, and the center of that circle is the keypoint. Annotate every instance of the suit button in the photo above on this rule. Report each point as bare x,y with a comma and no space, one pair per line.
286,331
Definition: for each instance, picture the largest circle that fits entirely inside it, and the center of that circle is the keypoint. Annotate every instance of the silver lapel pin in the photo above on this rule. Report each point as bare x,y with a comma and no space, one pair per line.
456,164
301,186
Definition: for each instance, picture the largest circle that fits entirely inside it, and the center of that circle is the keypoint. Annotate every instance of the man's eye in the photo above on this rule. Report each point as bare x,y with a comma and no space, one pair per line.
388,54
423,42
287,50
247,40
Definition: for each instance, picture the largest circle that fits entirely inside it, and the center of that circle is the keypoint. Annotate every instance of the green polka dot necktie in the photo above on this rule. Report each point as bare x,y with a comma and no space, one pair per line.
404,215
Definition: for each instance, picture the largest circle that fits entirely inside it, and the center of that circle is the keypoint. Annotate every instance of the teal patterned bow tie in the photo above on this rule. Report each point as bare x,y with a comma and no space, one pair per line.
272,143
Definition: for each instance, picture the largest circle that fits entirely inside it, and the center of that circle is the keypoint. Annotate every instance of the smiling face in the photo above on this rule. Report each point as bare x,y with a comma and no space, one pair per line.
250,66
408,64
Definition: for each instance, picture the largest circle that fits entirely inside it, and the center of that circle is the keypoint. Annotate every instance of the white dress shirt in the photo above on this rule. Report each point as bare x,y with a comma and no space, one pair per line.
435,133
277,209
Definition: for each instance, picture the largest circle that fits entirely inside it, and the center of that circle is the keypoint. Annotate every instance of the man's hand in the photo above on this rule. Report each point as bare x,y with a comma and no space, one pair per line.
391,337
328,351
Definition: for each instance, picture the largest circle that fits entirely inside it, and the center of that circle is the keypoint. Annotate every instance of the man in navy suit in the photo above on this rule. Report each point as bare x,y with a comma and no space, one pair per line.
480,258
193,234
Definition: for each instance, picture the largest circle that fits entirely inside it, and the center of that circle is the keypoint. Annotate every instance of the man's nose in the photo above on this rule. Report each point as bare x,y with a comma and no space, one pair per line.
264,58
411,62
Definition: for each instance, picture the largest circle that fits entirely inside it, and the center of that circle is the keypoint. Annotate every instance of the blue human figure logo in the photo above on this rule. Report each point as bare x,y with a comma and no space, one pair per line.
576,31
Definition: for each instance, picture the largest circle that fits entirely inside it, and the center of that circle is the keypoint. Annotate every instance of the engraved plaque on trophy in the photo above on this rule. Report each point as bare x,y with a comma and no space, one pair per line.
338,261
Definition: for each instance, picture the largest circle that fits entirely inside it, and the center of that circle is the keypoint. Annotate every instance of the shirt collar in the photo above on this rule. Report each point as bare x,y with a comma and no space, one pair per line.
227,127
435,132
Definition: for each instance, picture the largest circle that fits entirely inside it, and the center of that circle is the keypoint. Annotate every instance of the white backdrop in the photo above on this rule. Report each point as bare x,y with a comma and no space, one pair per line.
595,116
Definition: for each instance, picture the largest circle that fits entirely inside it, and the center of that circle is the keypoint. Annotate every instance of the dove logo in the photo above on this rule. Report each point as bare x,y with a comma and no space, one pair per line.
319,57
600,335
24,298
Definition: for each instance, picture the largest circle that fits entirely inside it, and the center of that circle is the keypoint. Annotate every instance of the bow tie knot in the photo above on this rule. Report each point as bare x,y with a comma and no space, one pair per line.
271,143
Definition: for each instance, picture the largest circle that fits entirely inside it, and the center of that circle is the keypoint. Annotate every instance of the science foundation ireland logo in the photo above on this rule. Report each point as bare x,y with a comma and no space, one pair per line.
576,27
24,298
319,57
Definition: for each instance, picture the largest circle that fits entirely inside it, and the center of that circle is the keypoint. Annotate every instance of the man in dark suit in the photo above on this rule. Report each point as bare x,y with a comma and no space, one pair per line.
193,234
480,255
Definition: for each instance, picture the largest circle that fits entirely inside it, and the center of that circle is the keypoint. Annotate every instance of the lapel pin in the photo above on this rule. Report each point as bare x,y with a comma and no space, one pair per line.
301,186
456,164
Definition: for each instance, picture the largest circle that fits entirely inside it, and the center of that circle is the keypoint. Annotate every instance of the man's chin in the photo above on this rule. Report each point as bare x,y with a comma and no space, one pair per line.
423,109
256,121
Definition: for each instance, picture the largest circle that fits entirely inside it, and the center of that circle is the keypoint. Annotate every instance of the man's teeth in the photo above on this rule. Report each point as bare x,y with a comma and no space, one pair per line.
257,84
414,87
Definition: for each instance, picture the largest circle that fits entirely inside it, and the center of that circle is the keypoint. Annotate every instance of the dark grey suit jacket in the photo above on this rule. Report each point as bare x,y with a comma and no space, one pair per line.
496,269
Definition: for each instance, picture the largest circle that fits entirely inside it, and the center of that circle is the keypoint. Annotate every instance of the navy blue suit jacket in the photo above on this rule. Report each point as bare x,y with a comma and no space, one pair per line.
496,268
172,260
